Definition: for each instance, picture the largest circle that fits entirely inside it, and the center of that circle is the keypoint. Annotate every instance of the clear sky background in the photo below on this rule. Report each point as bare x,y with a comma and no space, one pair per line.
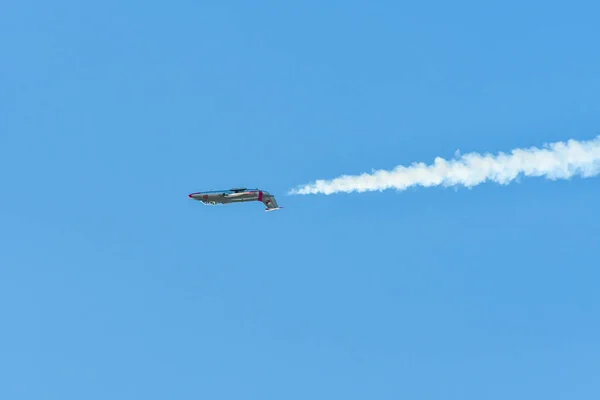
115,285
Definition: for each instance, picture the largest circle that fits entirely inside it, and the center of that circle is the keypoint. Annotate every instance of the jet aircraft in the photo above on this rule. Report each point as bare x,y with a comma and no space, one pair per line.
236,195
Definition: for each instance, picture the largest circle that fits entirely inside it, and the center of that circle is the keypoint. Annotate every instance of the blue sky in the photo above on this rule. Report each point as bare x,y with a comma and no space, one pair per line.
113,284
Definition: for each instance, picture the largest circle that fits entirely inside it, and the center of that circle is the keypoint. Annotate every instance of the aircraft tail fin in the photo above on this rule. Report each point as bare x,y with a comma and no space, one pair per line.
271,203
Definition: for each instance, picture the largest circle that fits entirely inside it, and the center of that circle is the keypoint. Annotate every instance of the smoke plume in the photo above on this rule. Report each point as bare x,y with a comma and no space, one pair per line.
560,160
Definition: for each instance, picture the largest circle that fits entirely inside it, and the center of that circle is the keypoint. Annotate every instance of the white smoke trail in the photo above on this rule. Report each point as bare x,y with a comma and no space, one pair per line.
554,161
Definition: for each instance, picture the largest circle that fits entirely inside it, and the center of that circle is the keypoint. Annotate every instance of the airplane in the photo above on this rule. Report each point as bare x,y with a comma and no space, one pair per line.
236,195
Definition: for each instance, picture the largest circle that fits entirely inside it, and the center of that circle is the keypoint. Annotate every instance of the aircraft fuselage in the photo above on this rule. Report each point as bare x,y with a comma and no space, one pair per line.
216,197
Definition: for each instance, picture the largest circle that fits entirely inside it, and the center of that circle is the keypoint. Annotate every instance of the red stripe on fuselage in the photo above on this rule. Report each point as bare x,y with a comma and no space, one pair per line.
260,195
